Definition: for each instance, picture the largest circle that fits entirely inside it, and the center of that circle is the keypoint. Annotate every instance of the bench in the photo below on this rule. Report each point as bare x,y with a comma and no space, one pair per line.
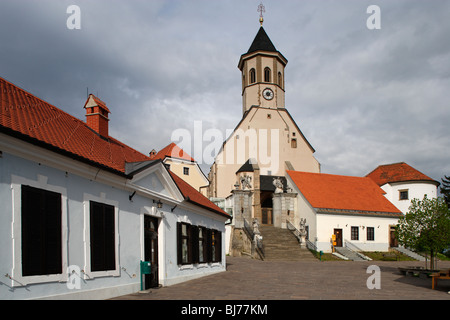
439,275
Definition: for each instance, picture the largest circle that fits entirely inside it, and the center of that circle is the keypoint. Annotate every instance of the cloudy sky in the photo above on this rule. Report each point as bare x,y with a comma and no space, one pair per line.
361,97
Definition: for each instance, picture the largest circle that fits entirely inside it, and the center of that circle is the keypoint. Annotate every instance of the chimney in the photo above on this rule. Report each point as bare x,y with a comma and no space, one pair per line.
152,153
97,115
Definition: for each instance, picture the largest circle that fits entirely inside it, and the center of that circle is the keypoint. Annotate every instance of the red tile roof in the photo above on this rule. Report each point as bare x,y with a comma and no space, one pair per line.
42,123
172,151
327,191
192,195
397,172
29,118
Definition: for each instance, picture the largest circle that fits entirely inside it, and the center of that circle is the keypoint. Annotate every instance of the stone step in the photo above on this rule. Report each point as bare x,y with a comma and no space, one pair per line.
282,245
351,255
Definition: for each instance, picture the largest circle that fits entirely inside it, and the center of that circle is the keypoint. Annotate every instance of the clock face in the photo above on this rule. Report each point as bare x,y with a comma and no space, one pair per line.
268,94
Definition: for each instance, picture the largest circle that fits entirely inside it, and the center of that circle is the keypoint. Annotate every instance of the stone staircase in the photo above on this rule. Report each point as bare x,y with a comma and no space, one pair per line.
410,253
282,245
349,254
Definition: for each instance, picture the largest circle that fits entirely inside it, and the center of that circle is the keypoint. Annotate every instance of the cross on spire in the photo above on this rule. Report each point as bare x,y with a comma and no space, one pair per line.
261,10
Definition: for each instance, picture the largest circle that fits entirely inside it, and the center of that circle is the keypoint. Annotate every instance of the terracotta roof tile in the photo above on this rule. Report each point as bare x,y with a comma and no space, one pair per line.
192,195
172,151
327,191
397,172
40,121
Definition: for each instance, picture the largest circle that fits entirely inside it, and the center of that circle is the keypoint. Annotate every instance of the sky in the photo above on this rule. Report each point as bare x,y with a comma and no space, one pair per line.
362,97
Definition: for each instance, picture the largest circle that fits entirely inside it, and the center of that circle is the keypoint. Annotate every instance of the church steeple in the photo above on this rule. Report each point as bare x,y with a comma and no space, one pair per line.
262,42
262,70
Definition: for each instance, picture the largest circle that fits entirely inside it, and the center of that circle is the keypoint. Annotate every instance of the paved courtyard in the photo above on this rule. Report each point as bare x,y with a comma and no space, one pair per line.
248,279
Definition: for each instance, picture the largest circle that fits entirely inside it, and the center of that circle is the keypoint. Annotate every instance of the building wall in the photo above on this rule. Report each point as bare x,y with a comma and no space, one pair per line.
416,190
326,223
77,191
195,178
321,226
265,135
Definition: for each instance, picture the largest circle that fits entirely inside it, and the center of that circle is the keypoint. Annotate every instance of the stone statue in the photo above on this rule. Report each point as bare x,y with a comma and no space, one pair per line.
302,232
246,182
256,226
278,183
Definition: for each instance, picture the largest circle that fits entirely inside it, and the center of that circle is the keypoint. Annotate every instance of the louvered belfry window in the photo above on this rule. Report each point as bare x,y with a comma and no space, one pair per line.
41,232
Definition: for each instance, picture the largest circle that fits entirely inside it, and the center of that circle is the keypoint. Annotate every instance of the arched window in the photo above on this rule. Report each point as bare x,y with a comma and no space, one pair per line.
267,74
280,80
252,75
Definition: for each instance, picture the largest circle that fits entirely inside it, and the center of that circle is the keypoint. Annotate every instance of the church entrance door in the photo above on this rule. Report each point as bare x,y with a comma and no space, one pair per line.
267,217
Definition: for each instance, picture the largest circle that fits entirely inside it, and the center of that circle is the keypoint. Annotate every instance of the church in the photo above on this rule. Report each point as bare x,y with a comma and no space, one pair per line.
266,175
266,141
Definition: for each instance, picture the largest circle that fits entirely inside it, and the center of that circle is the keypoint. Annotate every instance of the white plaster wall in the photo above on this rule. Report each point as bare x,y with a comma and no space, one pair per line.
416,190
328,222
129,240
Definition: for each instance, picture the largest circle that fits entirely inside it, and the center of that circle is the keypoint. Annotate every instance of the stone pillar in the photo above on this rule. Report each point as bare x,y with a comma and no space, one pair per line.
257,195
277,208
288,208
283,208
242,207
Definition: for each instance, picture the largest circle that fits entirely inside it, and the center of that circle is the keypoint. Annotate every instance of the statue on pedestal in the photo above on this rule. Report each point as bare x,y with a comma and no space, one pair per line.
246,182
302,232
278,185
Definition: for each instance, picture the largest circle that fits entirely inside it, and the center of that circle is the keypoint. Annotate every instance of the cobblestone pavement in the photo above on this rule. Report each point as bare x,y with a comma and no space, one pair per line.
247,279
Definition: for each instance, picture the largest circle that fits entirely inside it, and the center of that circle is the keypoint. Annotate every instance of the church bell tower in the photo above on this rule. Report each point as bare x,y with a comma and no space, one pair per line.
262,69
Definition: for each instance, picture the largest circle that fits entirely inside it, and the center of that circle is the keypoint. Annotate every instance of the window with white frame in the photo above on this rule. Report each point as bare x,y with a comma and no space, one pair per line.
355,233
41,232
370,233
102,237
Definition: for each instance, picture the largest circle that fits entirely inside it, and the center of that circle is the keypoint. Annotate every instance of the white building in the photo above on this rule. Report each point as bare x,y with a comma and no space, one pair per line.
80,210
402,183
353,209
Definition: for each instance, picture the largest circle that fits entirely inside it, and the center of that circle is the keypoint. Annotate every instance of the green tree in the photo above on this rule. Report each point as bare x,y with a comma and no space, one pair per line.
445,189
425,227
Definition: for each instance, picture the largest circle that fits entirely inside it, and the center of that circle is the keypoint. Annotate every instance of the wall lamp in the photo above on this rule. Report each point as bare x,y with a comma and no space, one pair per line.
159,204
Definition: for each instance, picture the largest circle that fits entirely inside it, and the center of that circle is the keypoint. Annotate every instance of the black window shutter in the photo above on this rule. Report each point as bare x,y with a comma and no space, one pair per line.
41,232
102,232
218,246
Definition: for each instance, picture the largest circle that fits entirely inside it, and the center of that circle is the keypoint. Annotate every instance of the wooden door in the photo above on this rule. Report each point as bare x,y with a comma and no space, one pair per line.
267,217
151,250
338,234
393,242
